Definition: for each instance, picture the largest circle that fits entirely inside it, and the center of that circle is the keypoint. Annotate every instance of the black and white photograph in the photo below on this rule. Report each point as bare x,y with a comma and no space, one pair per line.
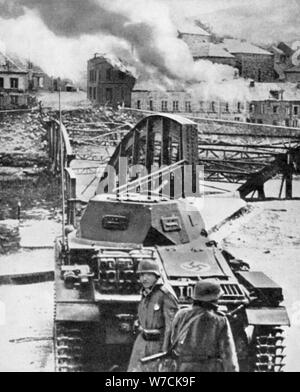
149,188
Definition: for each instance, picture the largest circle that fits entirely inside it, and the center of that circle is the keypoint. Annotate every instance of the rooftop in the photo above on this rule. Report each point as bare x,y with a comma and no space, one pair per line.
207,49
236,46
116,63
8,64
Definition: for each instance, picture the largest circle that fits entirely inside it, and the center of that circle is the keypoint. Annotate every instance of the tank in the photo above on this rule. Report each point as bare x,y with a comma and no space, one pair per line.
98,291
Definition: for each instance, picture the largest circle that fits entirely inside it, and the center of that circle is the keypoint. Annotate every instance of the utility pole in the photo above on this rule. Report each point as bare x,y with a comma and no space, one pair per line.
62,168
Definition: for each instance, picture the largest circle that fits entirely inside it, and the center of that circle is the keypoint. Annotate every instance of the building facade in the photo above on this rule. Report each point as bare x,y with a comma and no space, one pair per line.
110,81
266,103
252,62
183,103
276,112
38,79
14,84
292,74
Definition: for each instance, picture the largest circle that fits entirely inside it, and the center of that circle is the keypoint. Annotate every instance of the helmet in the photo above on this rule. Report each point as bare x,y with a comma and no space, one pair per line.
148,267
207,291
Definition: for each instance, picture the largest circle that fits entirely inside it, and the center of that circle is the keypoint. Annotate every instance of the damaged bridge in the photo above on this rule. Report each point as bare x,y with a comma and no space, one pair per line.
245,154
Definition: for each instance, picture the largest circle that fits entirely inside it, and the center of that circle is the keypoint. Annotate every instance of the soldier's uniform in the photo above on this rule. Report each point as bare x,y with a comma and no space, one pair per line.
156,312
207,344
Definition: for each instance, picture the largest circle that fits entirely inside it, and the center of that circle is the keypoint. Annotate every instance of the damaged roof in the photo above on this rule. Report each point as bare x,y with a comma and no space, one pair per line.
16,64
8,64
116,63
236,46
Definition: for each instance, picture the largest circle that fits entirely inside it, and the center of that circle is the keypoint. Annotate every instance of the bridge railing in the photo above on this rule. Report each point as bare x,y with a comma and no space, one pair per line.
57,133
54,133
169,181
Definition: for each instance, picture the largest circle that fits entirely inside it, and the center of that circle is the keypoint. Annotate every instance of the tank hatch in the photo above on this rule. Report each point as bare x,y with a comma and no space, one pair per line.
143,222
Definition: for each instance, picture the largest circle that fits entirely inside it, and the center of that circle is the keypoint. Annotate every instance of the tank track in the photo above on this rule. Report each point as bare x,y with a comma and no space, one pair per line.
75,348
269,350
68,348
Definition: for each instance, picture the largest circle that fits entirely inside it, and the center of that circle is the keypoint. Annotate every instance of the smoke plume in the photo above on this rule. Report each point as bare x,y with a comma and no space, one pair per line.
145,25
61,35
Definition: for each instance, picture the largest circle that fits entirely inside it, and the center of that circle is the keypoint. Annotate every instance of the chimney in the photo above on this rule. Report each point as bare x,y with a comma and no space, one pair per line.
252,84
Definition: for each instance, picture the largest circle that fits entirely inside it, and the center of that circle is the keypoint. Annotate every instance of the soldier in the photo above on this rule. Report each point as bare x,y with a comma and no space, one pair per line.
156,312
201,336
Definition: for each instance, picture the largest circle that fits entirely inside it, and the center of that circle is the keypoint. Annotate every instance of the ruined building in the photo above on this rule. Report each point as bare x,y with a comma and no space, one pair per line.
110,81
252,61
14,84
38,79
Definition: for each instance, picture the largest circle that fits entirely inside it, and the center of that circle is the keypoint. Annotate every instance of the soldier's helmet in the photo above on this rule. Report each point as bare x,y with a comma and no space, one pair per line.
148,267
207,291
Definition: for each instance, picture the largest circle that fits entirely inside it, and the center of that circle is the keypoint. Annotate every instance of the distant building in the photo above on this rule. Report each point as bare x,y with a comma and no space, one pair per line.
146,97
252,61
293,74
282,60
212,52
66,85
266,103
110,81
192,34
38,79
286,49
276,104
14,84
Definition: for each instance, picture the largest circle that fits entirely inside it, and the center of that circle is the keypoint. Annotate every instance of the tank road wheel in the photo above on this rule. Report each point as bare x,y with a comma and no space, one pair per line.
268,349
76,348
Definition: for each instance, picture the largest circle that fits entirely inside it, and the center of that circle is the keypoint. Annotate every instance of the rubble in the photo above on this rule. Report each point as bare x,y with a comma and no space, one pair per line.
23,159
22,134
9,236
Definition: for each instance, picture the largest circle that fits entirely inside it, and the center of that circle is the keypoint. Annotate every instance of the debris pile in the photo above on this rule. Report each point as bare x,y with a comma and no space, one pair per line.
95,132
9,236
22,134
23,146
